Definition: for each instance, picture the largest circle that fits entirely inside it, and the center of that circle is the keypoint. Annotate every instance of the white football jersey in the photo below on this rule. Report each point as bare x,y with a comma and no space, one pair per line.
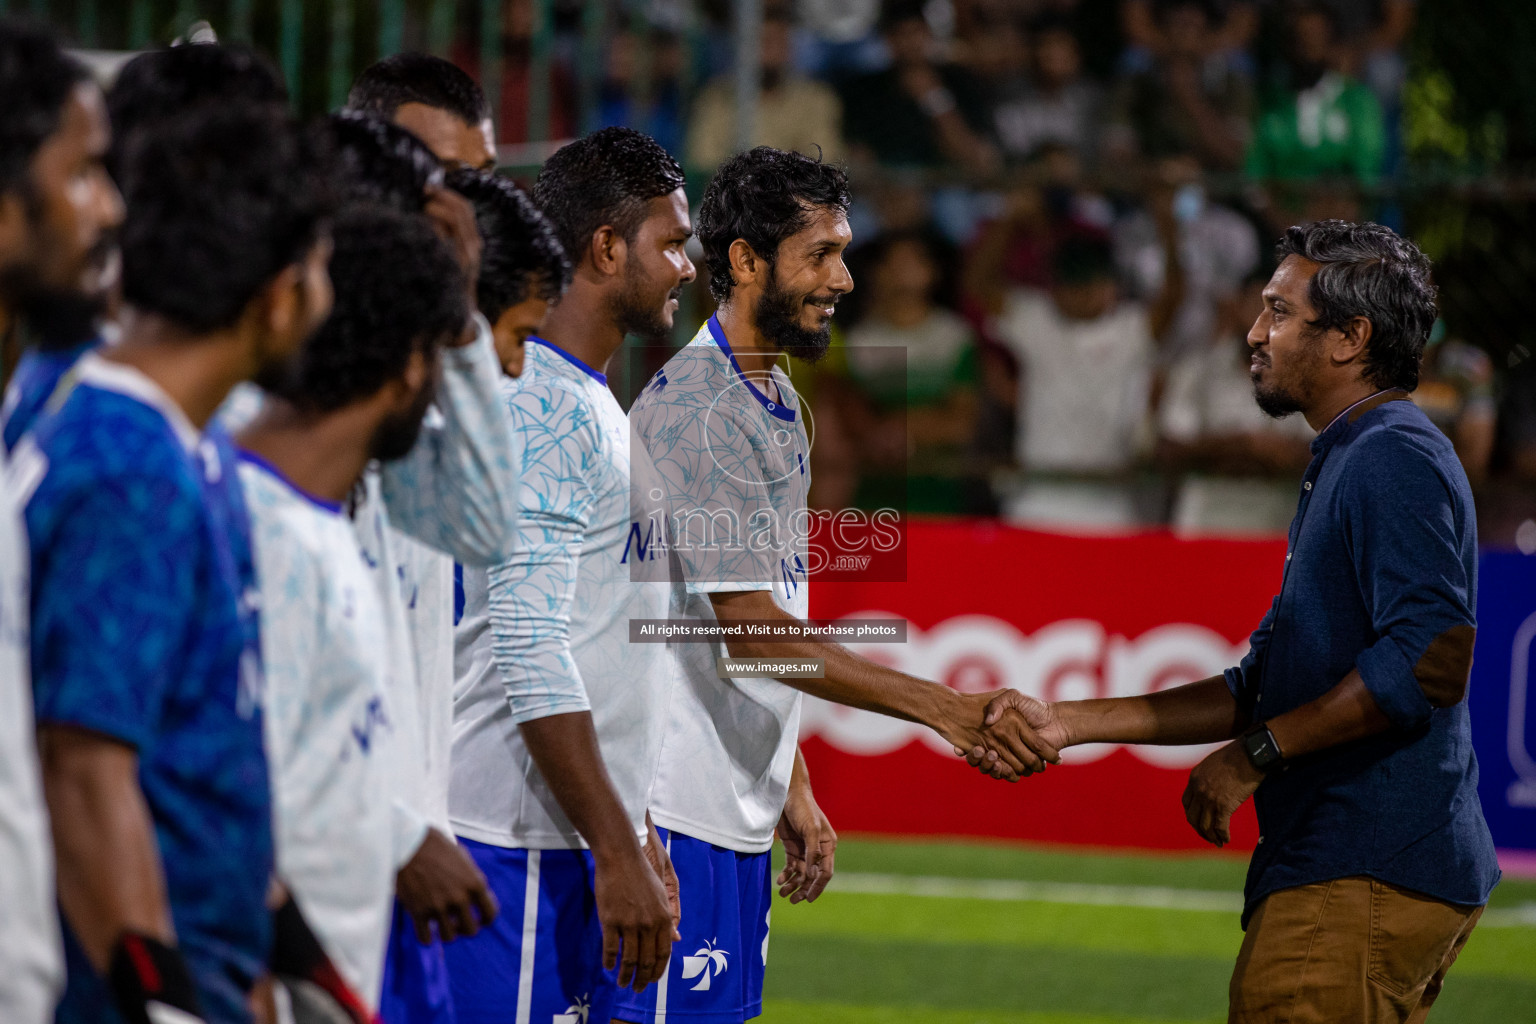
546,632
453,497
734,461
29,924
328,721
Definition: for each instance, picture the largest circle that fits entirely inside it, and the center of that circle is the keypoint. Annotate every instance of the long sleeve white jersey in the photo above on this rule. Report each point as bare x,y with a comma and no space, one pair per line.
546,631
328,722
734,461
454,497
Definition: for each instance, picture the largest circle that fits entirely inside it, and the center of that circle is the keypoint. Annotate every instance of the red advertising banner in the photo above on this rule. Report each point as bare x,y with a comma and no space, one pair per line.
1059,618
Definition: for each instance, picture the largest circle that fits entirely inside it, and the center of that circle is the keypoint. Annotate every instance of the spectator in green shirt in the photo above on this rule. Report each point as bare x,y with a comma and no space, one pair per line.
1316,122
903,385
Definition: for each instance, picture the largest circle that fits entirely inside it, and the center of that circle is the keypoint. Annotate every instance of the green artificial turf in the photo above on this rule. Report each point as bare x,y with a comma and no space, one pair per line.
870,957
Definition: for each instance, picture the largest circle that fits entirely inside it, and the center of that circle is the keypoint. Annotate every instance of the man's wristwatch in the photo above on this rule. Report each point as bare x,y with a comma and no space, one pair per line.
1262,750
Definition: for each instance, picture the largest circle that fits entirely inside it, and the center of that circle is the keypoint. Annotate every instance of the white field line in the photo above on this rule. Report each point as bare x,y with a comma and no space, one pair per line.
1154,897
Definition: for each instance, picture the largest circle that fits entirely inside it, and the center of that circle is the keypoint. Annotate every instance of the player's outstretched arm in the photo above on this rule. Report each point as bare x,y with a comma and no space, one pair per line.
1199,712
111,886
632,904
858,683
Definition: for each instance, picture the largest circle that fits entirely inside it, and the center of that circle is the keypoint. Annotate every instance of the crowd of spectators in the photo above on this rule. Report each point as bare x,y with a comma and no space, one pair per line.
1064,216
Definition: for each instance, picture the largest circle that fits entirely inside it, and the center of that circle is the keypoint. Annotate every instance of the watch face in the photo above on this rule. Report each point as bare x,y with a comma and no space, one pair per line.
1262,750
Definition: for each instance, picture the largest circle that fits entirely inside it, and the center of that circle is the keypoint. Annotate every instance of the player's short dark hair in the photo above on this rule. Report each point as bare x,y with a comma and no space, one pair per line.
1371,271
404,78
399,290
36,78
522,256
605,178
378,161
218,202
169,82
763,196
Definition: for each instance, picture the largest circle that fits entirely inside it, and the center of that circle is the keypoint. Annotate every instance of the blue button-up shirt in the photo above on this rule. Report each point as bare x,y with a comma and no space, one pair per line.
1380,576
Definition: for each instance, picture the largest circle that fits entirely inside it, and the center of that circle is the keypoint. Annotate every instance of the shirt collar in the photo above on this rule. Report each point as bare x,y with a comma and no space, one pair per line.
583,367
776,408
126,380
1341,423
333,507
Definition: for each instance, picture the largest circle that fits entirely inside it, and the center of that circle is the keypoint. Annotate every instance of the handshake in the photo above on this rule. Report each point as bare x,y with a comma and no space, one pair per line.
1008,735
1004,733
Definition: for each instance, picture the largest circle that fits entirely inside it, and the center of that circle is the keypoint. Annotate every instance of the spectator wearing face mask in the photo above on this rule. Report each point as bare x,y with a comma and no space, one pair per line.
1218,249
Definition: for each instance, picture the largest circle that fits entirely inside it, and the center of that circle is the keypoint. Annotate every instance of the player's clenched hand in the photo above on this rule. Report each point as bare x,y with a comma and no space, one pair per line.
441,885
1217,788
632,904
810,846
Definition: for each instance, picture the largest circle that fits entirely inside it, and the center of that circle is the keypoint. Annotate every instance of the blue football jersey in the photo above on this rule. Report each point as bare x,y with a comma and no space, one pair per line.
36,378
145,630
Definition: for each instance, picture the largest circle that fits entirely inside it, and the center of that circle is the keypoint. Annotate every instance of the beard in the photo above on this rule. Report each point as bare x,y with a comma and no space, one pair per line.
59,320
778,319
396,434
61,316
637,312
1276,399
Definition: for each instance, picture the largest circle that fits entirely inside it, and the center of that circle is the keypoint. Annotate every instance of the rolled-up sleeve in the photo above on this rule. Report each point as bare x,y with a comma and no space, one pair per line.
1243,679
1406,533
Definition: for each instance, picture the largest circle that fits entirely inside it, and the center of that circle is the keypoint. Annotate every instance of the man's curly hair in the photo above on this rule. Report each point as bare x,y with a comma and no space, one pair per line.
763,196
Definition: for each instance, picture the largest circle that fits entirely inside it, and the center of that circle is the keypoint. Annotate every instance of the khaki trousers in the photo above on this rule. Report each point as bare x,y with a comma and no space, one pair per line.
1351,950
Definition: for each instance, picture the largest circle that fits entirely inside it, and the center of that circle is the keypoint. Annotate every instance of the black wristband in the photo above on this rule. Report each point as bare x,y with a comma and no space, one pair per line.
295,950
316,989
146,974
1262,750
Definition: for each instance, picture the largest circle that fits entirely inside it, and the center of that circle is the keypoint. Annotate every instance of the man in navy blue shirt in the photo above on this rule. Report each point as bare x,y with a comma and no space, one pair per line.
1348,717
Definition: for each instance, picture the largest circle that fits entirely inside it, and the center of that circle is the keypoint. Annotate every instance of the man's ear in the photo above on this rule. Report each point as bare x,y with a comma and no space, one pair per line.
399,393
745,263
280,305
1353,341
417,369
608,251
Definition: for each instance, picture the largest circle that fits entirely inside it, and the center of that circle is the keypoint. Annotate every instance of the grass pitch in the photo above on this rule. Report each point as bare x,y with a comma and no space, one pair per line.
962,933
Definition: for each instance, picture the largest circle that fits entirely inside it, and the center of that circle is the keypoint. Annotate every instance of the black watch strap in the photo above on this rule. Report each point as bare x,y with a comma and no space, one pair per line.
1263,752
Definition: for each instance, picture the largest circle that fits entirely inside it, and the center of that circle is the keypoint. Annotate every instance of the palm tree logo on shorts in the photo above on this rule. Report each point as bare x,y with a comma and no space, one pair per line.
576,1013
708,963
